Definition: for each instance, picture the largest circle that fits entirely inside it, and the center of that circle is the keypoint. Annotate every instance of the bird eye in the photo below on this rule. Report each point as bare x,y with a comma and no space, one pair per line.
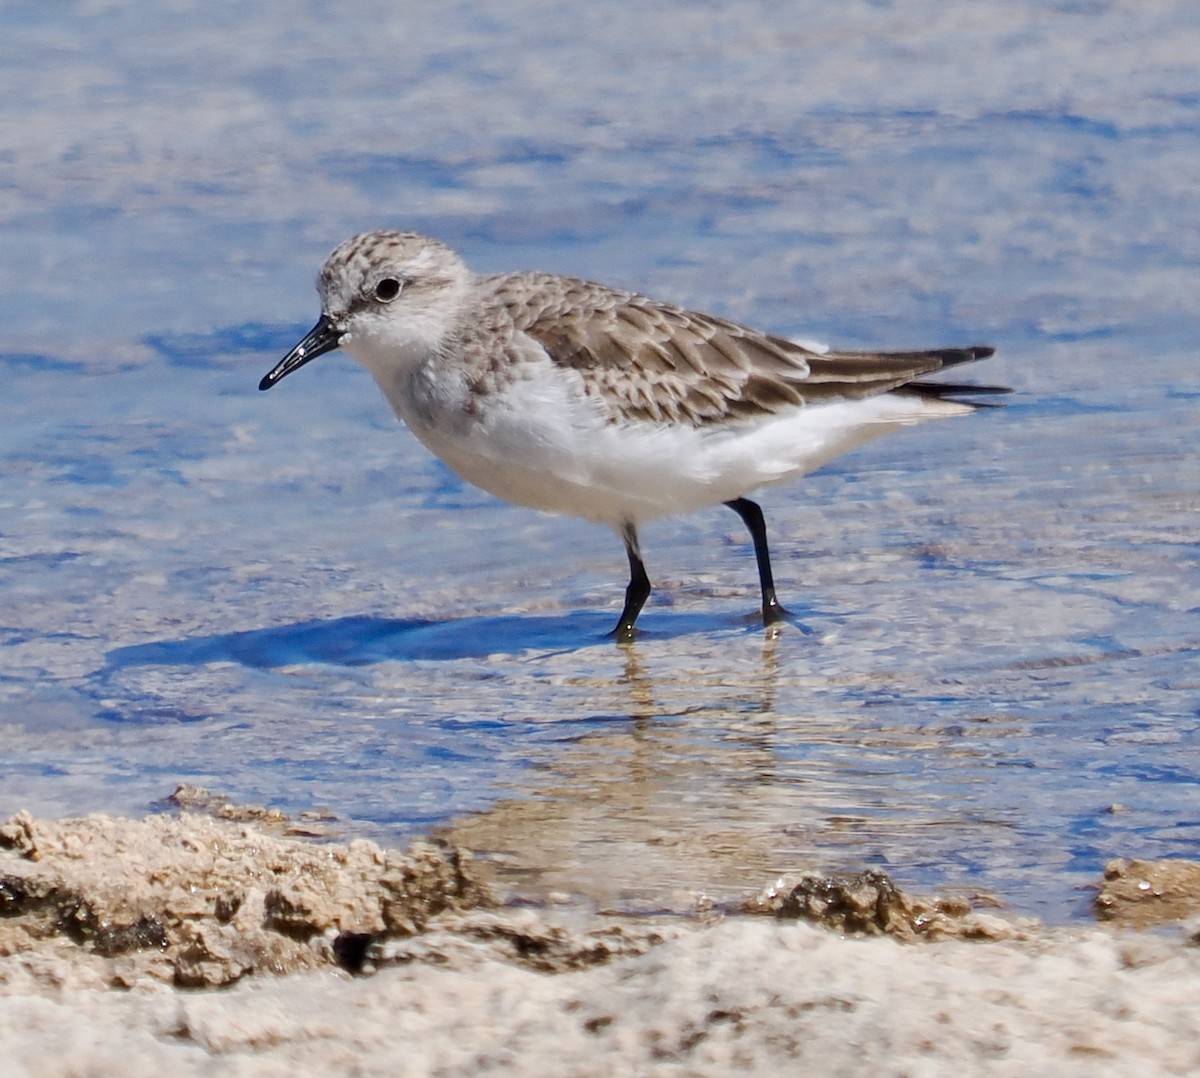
387,289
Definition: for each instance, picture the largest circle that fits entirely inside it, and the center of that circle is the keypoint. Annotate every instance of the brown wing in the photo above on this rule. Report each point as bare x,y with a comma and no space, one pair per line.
655,362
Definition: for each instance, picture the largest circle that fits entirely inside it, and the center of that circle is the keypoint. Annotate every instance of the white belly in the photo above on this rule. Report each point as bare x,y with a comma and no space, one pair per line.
538,443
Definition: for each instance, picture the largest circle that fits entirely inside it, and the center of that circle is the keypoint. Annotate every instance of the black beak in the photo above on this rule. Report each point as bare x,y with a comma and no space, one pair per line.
323,337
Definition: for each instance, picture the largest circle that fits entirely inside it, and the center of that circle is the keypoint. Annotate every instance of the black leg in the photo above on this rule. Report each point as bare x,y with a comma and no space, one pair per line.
639,585
752,517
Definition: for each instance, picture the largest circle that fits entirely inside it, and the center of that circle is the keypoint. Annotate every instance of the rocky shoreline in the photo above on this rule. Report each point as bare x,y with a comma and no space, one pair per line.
213,935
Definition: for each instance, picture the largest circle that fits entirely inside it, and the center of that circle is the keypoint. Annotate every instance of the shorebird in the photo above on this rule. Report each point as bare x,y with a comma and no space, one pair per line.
572,397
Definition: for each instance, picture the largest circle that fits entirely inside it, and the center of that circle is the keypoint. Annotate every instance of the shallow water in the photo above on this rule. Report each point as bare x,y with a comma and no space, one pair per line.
993,682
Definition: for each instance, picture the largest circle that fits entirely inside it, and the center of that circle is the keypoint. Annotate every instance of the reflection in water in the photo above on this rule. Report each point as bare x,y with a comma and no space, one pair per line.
708,788
638,685
740,760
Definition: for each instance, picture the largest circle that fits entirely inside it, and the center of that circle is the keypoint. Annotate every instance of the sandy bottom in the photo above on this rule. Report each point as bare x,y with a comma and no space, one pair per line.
192,944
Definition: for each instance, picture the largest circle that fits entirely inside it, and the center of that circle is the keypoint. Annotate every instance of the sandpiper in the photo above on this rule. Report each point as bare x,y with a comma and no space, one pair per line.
572,397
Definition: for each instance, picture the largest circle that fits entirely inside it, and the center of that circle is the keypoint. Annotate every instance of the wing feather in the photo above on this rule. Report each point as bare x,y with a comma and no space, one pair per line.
652,361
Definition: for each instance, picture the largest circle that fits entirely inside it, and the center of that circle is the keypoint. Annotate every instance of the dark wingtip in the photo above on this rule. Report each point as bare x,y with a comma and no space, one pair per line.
952,357
267,382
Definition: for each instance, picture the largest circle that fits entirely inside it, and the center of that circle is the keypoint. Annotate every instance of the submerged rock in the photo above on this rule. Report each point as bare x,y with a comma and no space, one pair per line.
1142,894
870,904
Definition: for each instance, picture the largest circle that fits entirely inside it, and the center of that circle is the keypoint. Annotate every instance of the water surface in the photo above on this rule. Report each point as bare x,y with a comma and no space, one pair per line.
993,685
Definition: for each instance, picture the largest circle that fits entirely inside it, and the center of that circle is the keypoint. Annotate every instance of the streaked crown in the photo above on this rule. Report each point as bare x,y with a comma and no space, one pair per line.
352,274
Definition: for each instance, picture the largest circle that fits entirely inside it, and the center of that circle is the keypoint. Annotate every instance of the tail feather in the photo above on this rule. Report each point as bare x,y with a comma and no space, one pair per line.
953,389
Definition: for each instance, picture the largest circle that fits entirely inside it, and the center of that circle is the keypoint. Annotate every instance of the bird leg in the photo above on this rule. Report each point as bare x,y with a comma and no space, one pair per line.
752,517
638,590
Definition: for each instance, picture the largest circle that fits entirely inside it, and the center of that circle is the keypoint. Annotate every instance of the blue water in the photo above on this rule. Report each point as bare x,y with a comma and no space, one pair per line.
993,684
